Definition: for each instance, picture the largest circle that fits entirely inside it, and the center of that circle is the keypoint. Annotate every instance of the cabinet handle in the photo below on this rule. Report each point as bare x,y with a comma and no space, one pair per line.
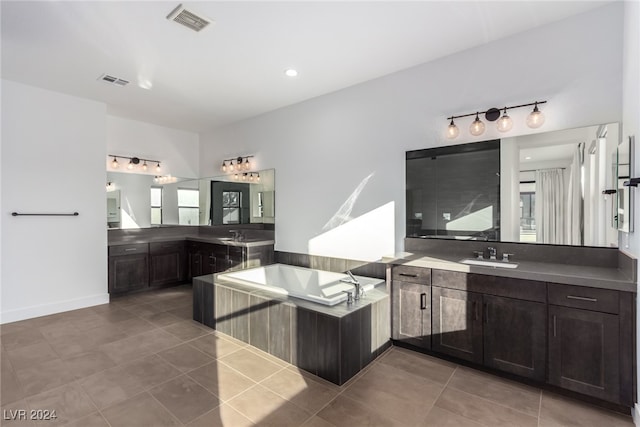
423,301
582,298
408,275
131,249
476,313
486,312
554,326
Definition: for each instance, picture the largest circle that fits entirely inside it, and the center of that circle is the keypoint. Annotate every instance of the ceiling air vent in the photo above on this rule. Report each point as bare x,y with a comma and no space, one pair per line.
113,80
188,18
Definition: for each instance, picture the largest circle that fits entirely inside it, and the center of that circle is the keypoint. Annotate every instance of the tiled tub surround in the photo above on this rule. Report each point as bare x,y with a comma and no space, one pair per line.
576,307
332,342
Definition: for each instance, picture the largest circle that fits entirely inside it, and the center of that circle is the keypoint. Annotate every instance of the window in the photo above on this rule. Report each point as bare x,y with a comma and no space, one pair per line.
188,206
231,204
156,205
527,212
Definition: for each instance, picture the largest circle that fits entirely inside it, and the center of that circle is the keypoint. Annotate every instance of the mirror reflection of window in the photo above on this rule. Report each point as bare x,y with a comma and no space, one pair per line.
231,204
527,212
188,206
156,205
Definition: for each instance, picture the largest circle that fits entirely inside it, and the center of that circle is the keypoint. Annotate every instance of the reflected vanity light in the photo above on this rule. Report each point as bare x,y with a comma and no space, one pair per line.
504,123
167,179
241,163
247,176
134,162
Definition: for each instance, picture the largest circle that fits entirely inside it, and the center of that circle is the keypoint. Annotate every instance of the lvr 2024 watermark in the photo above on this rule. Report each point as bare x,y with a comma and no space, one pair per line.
34,414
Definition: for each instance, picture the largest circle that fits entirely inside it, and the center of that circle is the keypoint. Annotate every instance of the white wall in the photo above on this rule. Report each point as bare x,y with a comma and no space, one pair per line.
631,126
53,148
323,149
177,150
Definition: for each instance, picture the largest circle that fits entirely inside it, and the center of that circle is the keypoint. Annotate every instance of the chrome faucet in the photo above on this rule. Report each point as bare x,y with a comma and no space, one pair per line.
236,234
492,253
352,280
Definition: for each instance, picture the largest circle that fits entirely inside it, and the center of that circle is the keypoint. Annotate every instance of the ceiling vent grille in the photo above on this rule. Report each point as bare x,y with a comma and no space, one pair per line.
107,78
188,18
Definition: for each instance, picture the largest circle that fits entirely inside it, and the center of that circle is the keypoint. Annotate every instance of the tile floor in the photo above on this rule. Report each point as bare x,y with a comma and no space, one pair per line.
140,361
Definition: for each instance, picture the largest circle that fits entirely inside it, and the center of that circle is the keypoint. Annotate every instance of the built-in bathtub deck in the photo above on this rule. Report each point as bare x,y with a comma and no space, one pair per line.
332,342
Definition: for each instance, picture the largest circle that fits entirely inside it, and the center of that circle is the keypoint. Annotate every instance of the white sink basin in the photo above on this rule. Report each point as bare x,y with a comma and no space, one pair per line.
488,263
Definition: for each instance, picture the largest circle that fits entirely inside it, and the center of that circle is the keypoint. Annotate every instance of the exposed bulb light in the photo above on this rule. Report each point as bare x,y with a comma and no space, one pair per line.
231,166
477,127
114,163
110,186
224,166
505,123
144,166
258,178
251,177
235,176
290,72
536,118
158,168
130,165
452,130
244,176
247,165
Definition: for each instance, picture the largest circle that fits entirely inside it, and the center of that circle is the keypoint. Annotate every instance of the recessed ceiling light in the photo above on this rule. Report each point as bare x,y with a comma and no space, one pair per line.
290,72
528,158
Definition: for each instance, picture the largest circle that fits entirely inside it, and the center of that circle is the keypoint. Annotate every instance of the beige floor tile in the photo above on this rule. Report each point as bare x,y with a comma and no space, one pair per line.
221,380
424,366
560,411
222,416
139,345
215,346
345,412
162,319
10,389
72,343
250,364
21,326
322,381
268,356
15,340
438,417
30,355
266,408
16,414
57,330
105,334
173,302
110,387
150,371
508,393
396,393
140,410
184,312
92,420
144,309
316,421
89,363
482,410
135,326
69,402
44,376
304,392
187,330
184,398
185,357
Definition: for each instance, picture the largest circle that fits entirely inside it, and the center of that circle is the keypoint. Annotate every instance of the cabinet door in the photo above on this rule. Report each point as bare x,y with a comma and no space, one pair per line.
584,352
236,257
128,272
457,323
515,336
167,264
412,313
221,258
195,264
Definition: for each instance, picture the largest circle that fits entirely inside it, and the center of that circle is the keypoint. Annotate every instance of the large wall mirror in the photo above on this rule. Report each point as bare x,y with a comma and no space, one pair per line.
550,189
141,201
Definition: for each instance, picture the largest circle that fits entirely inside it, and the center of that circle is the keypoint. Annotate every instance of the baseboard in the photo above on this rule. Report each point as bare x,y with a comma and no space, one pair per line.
636,415
52,308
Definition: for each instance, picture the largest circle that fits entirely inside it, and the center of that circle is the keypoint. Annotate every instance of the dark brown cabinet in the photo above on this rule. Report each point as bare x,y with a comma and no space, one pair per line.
515,336
411,310
128,268
457,323
166,263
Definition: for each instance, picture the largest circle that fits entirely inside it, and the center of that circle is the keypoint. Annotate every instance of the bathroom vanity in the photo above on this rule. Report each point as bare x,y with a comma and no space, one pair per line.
154,258
569,323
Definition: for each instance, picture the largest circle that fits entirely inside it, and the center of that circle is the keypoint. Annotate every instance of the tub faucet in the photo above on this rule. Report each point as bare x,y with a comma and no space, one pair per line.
492,253
352,279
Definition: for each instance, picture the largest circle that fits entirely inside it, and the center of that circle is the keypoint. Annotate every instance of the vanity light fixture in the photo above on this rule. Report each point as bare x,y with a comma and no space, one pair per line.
111,186
534,120
250,176
134,162
167,179
241,163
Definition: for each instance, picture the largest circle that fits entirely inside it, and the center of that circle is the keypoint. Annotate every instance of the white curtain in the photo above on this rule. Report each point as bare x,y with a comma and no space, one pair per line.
550,206
575,204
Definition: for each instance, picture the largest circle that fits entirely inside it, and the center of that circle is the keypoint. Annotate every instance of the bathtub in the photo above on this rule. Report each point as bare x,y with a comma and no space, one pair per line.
319,286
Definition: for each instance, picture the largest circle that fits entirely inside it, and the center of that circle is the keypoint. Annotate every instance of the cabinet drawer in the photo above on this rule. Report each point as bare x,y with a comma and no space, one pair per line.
138,248
527,290
164,247
406,273
603,300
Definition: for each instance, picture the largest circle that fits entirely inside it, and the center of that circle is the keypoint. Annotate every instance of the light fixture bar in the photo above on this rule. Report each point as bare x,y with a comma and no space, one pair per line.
501,109
139,159
242,163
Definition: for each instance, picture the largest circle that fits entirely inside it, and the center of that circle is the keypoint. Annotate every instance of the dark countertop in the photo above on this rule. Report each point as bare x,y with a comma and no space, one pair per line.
339,310
593,277
247,243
